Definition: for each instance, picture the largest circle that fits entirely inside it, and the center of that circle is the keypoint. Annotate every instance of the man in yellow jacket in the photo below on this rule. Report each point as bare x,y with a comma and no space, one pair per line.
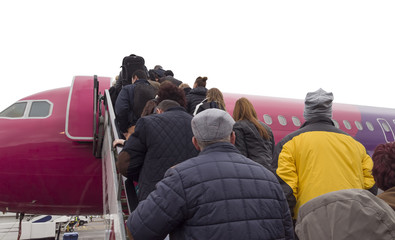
319,158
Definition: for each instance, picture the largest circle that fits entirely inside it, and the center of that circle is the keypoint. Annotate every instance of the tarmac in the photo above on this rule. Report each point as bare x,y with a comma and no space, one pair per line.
91,231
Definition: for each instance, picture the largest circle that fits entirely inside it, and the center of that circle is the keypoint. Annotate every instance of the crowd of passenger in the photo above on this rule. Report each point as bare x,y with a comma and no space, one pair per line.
200,173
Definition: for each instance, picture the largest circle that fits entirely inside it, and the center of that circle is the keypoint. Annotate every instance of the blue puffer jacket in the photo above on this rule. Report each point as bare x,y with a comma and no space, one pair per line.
218,195
159,142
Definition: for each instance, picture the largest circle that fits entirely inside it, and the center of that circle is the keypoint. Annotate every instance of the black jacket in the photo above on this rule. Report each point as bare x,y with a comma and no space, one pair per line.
218,195
252,145
129,103
206,105
159,142
194,97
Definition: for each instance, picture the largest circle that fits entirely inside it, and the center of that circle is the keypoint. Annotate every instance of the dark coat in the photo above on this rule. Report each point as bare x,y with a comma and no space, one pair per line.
171,79
159,142
194,97
252,145
187,90
126,104
206,105
218,195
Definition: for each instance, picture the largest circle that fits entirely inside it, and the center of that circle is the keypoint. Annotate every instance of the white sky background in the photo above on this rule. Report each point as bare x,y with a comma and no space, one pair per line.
272,48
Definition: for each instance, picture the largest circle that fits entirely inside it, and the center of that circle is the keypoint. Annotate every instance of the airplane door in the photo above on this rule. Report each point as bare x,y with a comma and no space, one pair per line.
387,130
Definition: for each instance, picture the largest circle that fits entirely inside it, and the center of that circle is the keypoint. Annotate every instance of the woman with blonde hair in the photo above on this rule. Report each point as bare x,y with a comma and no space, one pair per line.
254,139
214,99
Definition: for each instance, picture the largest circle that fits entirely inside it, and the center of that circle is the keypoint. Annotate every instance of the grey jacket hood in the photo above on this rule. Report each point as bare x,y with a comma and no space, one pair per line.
346,214
318,103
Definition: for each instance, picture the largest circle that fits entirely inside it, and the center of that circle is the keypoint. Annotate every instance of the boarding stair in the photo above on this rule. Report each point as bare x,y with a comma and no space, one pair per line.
119,196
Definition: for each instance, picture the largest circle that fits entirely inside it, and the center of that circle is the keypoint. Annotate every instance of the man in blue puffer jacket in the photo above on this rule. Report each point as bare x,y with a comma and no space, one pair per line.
159,142
219,194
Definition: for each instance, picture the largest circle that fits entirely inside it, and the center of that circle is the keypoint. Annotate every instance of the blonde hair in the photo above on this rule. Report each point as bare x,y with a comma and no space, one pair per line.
244,110
184,85
215,95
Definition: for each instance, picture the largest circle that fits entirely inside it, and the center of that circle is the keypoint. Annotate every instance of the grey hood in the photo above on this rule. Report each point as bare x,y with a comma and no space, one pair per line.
346,214
317,104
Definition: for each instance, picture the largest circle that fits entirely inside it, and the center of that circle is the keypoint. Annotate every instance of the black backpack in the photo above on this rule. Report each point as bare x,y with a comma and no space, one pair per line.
129,65
205,105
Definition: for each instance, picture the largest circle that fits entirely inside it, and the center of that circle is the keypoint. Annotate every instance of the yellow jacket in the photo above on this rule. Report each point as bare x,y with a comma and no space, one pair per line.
319,158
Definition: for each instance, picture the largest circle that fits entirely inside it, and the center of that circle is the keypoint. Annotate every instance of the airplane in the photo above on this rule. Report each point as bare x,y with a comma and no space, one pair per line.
56,154
46,160
369,125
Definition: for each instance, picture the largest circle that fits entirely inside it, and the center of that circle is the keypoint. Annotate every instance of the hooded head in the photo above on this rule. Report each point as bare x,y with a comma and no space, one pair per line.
318,104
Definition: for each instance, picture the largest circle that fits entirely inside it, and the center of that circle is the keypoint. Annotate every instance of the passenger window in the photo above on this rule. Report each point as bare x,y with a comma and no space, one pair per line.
296,121
385,126
370,126
39,109
282,120
268,120
16,110
347,124
336,123
358,125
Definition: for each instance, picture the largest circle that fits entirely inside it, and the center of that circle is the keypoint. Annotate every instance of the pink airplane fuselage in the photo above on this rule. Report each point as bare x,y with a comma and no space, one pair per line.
43,171
47,165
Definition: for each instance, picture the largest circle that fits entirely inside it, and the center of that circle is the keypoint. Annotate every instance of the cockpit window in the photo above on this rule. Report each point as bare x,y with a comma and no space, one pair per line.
16,110
28,109
39,109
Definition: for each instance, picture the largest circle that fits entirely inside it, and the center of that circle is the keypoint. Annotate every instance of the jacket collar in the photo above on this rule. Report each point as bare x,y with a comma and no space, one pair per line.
319,119
219,147
177,108
141,81
199,90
